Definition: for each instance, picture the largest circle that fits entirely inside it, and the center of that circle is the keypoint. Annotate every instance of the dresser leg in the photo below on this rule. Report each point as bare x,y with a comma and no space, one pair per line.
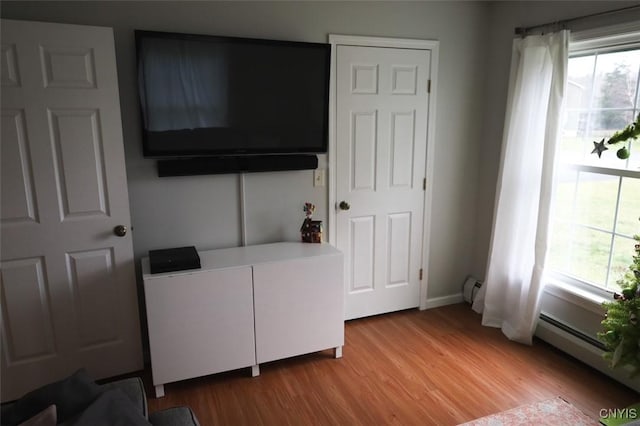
337,352
159,391
255,370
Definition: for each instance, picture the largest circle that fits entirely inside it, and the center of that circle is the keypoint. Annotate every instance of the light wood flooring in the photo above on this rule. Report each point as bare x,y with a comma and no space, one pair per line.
413,367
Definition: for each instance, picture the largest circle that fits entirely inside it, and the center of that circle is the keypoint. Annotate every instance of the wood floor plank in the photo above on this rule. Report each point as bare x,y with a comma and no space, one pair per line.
436,367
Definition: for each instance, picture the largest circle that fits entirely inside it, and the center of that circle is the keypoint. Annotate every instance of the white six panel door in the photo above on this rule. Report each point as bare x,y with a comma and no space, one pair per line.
381,128
68,288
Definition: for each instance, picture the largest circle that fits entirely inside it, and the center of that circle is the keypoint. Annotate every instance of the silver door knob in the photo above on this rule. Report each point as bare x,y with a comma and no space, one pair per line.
344,205
120,230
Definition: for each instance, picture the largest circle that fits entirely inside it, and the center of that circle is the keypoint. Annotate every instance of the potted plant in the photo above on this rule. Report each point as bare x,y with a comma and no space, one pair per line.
621,334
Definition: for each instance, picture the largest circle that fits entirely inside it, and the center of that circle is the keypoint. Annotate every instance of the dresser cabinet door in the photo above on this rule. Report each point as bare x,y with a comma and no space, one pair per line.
200,323
298,306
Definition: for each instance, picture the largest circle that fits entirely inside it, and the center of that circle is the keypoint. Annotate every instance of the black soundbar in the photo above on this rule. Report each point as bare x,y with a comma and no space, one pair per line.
236,164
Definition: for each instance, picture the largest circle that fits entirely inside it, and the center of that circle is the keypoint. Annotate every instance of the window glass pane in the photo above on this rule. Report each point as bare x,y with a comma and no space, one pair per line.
571,145
596,200
579,82
600,100
576,107
623,251
605,123
615,84
590,255
629,208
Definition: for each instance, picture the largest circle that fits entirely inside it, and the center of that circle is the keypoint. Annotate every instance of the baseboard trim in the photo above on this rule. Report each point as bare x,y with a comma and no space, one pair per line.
584,352
436,302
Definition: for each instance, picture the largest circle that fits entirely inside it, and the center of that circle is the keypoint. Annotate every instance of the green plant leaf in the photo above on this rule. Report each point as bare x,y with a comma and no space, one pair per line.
617,354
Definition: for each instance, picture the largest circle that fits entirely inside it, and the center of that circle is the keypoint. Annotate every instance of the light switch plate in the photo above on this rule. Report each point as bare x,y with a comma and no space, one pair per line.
318,177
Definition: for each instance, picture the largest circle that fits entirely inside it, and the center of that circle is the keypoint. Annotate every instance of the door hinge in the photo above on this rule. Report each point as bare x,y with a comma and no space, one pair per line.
428,86
424,184
420,274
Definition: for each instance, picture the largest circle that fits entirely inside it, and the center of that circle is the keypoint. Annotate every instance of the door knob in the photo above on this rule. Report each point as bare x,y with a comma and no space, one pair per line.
120,230
344,205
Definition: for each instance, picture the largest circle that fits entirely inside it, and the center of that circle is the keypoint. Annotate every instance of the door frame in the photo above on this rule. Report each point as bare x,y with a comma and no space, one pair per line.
433,46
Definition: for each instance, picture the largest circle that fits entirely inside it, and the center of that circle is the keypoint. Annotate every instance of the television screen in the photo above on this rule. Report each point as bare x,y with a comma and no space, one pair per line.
210,95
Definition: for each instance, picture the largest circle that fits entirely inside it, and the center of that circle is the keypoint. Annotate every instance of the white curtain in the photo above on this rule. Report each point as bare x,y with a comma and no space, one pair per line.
510,297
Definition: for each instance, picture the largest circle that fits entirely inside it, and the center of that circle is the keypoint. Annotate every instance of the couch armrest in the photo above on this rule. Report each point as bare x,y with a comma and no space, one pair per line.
134,389
176,416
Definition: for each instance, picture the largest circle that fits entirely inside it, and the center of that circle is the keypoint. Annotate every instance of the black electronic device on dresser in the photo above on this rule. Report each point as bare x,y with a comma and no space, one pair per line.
173,259
212,104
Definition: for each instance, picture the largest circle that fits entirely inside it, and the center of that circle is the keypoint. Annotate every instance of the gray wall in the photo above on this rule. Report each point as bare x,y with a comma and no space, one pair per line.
204,210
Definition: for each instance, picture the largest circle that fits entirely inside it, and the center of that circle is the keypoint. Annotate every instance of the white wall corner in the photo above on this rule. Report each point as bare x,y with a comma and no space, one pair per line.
436,302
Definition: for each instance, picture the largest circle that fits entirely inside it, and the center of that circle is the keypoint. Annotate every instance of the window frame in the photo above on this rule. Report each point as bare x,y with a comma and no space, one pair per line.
584,43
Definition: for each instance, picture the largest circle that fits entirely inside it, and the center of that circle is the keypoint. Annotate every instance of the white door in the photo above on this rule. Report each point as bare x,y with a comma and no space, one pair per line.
381,140
67,283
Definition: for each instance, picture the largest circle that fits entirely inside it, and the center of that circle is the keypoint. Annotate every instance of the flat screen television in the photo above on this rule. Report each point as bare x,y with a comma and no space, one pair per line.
217,96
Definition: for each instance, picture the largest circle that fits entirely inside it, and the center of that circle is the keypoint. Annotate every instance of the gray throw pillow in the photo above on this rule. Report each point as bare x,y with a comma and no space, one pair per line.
70,396
112,408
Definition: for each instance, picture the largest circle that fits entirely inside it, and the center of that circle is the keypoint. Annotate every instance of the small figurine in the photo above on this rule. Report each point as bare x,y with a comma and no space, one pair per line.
311,230
309,209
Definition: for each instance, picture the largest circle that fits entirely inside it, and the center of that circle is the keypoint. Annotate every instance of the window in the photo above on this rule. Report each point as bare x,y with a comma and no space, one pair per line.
597,200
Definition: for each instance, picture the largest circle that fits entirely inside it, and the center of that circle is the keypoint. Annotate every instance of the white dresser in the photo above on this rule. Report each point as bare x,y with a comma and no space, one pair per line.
245,306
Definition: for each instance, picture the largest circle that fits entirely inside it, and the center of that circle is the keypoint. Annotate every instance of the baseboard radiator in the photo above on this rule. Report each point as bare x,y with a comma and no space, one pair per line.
582,347
472,285
572,331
